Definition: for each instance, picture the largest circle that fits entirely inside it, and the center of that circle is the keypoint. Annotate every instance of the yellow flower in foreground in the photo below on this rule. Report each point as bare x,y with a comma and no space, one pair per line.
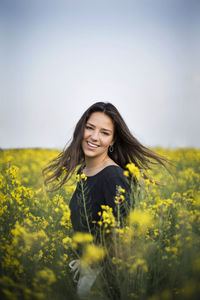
82,237
126,173
140,218
133,170
83,176
107,216
92,254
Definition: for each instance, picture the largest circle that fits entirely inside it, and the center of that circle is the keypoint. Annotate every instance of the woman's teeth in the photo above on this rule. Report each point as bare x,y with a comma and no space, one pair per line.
92,145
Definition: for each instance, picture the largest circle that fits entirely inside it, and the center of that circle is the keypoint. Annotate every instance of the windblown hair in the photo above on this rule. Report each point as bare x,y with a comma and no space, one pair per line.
126,148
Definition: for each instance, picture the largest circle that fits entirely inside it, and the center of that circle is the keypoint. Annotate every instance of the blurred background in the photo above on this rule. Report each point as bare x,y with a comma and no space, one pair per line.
59,57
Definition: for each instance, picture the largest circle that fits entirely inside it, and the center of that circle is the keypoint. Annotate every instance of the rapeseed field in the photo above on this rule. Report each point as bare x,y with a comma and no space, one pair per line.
155,256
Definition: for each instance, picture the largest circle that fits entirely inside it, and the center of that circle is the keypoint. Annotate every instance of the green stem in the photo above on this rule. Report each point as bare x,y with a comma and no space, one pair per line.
118,216
84,204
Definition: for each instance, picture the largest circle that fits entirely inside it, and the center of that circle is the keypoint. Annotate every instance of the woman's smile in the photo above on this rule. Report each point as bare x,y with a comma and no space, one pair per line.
91,145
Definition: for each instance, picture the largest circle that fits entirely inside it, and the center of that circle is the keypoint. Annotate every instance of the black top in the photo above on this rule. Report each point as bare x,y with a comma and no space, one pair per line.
99,189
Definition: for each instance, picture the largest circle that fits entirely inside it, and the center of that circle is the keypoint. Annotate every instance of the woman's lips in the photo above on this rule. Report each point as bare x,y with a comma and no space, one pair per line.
91,145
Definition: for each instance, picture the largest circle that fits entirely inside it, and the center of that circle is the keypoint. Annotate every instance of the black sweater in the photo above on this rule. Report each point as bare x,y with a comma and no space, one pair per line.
99,189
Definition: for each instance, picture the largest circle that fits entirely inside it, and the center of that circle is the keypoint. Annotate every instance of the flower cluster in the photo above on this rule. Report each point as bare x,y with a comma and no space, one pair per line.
107,218
80,177
119,198
132,170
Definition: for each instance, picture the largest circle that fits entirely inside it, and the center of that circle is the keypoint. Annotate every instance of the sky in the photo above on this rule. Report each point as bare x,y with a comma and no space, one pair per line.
59,57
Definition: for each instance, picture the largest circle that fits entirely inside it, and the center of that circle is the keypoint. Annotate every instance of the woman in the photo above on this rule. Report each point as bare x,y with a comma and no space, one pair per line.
102,146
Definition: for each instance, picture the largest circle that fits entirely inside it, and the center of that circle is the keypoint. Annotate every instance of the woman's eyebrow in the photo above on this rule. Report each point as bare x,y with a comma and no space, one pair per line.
90,124
106,129
101,128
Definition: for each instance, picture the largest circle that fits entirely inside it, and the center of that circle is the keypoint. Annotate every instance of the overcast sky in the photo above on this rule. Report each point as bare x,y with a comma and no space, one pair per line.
59,57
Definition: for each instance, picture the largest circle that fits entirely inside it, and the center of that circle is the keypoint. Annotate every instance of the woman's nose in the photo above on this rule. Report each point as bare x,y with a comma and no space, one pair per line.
95,135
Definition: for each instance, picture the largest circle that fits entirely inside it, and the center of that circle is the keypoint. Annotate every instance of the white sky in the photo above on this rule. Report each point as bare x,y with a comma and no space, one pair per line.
59,57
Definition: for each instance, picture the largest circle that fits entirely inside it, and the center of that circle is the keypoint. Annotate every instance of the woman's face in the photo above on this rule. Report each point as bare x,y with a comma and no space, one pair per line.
98,135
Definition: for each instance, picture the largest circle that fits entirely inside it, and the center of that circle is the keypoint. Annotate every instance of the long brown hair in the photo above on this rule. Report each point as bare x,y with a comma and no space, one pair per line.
126,148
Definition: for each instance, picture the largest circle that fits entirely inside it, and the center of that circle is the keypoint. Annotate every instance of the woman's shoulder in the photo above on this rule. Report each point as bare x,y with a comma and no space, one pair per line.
113,176
108,172
112,170
113,173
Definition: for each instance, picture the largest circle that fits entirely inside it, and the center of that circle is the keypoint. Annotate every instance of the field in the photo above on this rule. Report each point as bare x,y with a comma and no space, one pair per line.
157,255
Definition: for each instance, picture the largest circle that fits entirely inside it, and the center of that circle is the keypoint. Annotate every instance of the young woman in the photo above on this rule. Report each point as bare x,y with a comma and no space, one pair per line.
102,146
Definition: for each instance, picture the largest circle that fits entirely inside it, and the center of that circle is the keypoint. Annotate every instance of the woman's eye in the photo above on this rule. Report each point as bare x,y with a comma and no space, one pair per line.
88,127
106,133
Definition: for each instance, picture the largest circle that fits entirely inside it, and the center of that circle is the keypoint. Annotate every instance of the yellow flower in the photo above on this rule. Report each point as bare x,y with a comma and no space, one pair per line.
126,173
47,275
92,254
64,170
40,254
67,240
138,263
141,219
117,202
107,216
147,181
82,237
122,198
83,176
133,170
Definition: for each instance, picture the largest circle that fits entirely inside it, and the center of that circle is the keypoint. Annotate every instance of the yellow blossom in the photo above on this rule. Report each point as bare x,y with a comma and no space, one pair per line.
83,176
147,181
47,275
126,173
134,170
92,254
143,219
82,237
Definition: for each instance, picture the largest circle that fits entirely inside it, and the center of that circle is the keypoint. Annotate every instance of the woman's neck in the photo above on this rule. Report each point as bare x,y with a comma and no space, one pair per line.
93,166
96,162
